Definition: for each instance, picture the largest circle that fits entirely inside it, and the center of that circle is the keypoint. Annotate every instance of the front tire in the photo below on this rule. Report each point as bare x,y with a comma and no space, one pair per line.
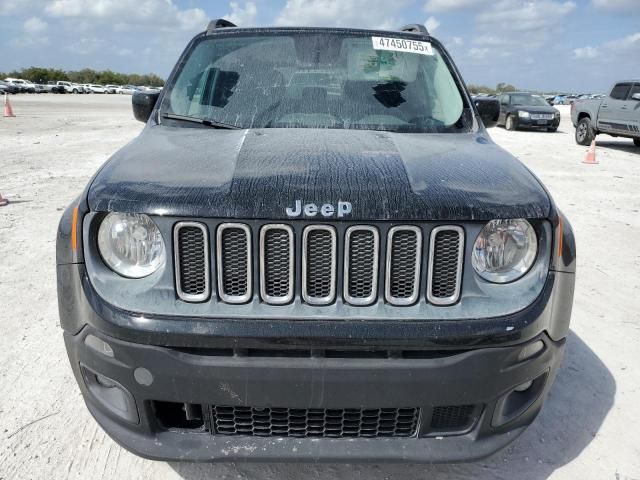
584,132
637,142
510,123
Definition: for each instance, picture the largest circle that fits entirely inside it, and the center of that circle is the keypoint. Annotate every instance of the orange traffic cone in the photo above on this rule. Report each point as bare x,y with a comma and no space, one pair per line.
591,154
8,111
3,201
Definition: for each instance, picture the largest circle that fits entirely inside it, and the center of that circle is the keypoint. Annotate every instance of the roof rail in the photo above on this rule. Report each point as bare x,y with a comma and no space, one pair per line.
415,28
219,23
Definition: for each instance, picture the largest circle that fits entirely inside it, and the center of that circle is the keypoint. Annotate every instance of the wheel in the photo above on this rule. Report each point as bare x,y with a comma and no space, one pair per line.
510,124
552,129
75,90
637,142
584,132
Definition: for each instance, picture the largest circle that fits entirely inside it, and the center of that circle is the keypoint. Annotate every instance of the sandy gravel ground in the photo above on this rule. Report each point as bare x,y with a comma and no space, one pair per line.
589,428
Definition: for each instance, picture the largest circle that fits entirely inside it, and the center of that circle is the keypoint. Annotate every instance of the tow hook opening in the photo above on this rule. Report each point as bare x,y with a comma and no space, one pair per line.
179,416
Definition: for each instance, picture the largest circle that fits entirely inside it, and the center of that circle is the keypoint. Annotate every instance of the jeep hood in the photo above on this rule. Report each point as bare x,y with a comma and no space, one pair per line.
196,172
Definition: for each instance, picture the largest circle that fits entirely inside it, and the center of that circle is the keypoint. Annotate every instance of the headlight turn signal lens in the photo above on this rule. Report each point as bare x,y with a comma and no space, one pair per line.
504,250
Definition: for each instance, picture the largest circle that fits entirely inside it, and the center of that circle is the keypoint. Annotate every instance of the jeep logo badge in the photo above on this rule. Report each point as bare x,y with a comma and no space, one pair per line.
326,210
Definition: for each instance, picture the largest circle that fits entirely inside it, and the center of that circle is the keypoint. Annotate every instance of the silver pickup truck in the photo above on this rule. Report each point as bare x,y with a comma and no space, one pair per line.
617,114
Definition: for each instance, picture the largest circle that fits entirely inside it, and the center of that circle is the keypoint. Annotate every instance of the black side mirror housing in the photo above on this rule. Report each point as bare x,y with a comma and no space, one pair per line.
488,109
143,103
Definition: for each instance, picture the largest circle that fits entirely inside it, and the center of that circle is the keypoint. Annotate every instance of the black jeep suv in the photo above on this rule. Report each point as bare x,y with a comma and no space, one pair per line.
314,251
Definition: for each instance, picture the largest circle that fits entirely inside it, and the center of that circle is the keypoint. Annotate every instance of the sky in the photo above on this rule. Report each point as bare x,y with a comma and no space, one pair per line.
549,45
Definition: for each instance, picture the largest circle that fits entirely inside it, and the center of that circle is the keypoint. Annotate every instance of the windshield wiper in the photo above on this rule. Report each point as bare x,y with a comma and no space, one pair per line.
201,121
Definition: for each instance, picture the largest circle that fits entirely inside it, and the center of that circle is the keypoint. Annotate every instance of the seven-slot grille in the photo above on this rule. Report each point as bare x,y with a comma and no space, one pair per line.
277,263
314,422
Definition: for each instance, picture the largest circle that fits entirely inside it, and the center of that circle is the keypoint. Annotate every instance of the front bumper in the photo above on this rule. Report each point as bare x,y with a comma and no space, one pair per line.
484,378
523,122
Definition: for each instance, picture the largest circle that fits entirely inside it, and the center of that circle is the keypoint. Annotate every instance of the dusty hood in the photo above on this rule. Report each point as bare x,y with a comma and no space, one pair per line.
259,173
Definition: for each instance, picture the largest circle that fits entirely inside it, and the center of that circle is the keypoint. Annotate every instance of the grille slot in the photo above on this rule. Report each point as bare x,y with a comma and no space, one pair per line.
191,255
446,250
404,247
314,422
234,262
319,265
452,417
276,264
361,265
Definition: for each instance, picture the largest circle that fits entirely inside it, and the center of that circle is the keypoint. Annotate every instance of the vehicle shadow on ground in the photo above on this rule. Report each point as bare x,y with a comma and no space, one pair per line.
622,146
579,401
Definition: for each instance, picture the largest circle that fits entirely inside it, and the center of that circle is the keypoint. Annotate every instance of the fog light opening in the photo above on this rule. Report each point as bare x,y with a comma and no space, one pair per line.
110,395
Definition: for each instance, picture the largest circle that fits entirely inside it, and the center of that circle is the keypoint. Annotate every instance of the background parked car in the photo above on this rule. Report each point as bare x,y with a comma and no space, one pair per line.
53,87
9,87
525,110
618,114
111,88
23,85
96,89
128,89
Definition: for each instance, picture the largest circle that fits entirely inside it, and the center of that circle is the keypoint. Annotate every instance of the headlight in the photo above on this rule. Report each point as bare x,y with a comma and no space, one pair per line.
523,114
131,244
504,250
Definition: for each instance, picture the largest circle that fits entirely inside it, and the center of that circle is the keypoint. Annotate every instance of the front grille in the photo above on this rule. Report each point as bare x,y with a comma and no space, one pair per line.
277,263
314,422
319,265
452,417
361,265
329,258
234,262
404,248
191,248
445,265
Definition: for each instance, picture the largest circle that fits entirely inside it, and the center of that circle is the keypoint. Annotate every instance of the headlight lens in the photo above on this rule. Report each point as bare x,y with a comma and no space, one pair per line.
131,244
504,250
523,114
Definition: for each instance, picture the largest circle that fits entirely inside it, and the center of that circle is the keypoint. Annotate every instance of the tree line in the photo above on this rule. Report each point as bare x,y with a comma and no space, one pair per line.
500,88
86,75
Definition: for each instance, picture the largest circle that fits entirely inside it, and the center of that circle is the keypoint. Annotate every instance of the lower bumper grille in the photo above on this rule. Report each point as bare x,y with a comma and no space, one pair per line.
315,422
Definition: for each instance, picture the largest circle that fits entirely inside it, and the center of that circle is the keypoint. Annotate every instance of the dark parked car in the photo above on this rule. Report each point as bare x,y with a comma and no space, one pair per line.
525,110
356,276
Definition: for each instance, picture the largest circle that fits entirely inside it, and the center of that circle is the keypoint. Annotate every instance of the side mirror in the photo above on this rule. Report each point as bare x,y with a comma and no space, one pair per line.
635,96
143,103
488,109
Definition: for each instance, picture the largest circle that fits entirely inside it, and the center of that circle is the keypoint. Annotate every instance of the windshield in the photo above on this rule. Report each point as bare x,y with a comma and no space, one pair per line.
528,101
310,79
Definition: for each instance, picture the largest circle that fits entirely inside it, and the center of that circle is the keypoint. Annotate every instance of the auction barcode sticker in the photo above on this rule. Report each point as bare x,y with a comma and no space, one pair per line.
402,45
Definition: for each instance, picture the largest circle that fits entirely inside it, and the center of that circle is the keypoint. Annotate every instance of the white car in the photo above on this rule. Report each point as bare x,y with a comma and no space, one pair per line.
24,85
97,89
127,89
111,88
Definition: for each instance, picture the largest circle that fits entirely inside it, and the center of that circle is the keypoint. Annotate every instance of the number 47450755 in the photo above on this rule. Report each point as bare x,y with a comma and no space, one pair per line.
402,45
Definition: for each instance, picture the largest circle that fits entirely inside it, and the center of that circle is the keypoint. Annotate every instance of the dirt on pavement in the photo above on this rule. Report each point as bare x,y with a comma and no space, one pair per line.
588,429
